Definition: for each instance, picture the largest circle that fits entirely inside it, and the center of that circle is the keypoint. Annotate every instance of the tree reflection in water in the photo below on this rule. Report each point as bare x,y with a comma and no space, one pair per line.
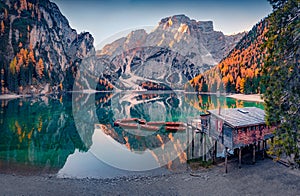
37,135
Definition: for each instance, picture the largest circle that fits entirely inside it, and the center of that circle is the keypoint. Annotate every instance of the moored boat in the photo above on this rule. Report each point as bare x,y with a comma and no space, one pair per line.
149,128
141,121
173,124
128,120
129,125
116,123
156,123
174,128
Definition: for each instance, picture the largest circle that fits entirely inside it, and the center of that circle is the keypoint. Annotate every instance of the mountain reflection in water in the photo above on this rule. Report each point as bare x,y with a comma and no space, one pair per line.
40,135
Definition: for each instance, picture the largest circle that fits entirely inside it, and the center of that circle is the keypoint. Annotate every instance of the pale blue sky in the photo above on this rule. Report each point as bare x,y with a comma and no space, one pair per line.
104,18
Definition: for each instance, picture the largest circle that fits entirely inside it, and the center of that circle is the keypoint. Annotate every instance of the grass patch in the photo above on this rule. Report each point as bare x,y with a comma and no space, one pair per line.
199,163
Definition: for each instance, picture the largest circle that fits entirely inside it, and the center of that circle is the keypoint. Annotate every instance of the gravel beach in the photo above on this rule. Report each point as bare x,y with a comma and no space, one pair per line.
264,178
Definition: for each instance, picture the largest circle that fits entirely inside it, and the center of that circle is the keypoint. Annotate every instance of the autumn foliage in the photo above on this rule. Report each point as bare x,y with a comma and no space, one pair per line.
240,71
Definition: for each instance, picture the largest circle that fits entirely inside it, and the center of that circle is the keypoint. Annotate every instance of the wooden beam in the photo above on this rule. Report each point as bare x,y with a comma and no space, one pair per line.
240,157
188,142
263,148
215,152
204,147
253,155
193,143
226,159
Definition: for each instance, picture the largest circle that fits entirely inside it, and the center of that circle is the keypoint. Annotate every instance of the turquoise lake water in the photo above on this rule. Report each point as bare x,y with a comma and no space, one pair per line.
58,135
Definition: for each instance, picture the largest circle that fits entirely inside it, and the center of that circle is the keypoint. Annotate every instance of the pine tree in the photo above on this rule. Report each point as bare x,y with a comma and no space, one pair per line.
12,65
277,3
282,79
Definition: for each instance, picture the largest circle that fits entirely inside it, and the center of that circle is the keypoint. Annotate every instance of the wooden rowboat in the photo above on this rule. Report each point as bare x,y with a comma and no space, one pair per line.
128,120
116,123
141,121
174,124
157,123
149,128
129,125
172,128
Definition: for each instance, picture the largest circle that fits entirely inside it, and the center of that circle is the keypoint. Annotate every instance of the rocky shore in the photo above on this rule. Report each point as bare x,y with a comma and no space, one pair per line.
264,178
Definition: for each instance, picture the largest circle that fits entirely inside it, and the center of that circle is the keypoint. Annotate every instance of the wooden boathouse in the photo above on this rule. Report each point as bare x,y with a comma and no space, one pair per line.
235,128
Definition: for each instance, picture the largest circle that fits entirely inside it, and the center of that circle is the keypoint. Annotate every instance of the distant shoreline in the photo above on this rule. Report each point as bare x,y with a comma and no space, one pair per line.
252,98
12,96
243,97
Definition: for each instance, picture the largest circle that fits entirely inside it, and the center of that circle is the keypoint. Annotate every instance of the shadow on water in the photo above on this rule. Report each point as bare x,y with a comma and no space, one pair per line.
40,136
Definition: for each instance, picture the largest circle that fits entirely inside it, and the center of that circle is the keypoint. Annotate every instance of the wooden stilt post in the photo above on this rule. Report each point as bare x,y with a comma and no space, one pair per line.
263,149
226,160
193,143
188,142
253,156
216,149
215,152
240,157
258,146
198,146
204,147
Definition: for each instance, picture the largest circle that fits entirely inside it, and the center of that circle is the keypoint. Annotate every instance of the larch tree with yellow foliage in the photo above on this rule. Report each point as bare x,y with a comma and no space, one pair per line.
40,68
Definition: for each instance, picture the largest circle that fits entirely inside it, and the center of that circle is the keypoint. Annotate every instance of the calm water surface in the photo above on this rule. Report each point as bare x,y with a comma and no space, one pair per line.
58,135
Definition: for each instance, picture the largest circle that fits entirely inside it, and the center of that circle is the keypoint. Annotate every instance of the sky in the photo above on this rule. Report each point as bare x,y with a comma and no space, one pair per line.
108,20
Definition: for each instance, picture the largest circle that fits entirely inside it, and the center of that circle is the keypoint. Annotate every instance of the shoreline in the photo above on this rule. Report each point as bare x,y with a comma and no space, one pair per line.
243,97
266,177
12,96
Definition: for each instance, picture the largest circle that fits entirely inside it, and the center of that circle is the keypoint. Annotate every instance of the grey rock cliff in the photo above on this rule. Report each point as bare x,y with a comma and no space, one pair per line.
189,46
39,27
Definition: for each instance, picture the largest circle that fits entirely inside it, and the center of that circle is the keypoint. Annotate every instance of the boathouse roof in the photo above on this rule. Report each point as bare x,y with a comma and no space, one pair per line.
240,117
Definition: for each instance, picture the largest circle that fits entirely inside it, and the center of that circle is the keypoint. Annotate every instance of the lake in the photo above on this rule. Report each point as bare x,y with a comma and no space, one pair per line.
73,135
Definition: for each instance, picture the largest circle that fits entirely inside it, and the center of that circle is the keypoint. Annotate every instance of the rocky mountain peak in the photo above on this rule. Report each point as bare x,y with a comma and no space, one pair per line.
178,42
176,19
183,20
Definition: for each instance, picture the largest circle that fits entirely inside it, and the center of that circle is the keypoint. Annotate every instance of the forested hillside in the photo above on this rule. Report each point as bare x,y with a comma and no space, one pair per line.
38,48
241,70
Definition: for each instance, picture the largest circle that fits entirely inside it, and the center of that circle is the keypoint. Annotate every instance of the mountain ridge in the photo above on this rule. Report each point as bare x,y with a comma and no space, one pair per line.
178,24
195,42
